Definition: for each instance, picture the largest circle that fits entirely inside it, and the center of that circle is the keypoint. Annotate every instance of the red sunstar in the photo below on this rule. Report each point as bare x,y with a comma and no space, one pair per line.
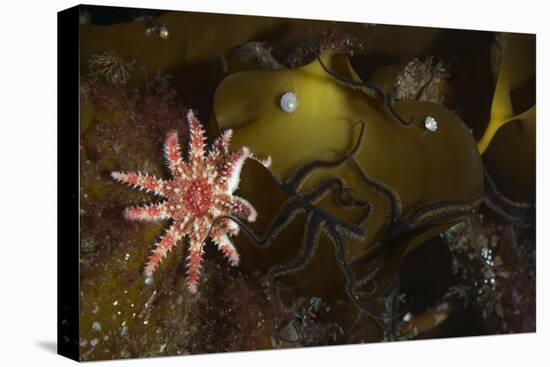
200,191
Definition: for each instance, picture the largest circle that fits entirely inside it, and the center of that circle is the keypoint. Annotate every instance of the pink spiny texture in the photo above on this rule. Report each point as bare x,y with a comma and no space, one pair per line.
200,191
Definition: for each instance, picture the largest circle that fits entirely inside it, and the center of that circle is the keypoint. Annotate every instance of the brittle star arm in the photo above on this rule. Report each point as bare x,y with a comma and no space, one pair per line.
309,245
355,295
296,178
343,197
371,90
289,210
522,214
294,205
393,198
340,252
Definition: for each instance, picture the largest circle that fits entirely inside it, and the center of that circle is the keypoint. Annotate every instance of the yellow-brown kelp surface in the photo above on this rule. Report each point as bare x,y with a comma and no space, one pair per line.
434,176
508,144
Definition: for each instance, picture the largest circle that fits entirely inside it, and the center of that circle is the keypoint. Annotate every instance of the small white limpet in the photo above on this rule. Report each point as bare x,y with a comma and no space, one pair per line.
148,280
289,102
430,123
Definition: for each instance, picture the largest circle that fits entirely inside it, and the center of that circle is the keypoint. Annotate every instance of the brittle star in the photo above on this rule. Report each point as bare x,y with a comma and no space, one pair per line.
318,219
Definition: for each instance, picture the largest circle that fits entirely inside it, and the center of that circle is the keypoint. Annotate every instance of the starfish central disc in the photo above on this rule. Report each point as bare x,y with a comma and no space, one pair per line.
198,197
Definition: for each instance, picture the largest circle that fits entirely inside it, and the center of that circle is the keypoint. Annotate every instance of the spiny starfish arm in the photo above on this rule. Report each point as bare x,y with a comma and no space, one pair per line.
172,154
165,244
143,182
230,171
194,259
235,205
264,162
196,139
226,247
223,227
226,226
152,212
220,147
